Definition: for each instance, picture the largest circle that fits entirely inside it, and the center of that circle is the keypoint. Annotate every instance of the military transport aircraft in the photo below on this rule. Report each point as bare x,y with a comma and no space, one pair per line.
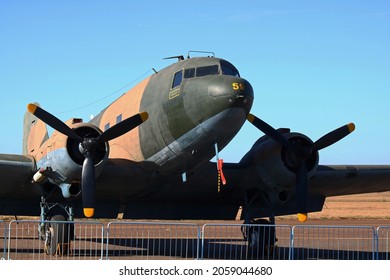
149,155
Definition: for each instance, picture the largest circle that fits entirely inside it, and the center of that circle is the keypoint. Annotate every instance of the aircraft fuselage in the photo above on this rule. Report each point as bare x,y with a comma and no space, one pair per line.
191,104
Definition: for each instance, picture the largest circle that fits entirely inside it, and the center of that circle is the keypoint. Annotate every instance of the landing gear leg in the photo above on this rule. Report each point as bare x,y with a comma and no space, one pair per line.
56,231
260,234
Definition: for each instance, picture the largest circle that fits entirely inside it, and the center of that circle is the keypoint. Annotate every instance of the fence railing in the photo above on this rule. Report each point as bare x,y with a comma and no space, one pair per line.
138,240
54,240
80,240
3,240
383,243
237,241
334,242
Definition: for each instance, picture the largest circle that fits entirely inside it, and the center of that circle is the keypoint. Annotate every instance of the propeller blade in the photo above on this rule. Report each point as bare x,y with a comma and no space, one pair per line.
302,217
334,136
302,191
88,186
52,121
123,127
268,130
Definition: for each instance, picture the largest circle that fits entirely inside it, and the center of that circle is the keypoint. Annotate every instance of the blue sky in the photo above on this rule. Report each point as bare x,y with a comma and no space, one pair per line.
314,65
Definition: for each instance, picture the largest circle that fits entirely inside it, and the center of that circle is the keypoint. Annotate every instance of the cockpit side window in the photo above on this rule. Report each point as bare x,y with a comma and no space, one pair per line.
177,79
207,70
229,69
189,73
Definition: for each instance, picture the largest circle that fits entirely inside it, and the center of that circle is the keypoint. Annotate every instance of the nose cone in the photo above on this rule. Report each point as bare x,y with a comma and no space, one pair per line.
209,96
229,100
219,104
227,92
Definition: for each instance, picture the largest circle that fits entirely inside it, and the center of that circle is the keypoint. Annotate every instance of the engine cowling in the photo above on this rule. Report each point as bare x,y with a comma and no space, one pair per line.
63,165
75,150
275,166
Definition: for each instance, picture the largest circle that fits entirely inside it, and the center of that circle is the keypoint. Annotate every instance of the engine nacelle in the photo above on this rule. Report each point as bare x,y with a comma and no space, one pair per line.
70,190
275,166
63,164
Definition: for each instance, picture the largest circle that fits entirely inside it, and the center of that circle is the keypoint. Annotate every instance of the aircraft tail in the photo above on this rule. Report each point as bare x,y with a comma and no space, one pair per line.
34,133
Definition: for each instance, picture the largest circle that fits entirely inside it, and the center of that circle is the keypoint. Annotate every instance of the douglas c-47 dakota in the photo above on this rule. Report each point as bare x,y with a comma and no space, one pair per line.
149,155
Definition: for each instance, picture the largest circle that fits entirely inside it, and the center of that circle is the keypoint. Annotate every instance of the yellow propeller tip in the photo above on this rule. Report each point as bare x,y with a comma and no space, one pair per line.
31,108
351,127
302,217
250,118
144,116
89,212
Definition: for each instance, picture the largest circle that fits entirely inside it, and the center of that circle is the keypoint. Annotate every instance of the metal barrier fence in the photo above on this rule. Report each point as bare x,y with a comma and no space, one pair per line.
333,242
243,242
56,240
132,240
3,240
383,238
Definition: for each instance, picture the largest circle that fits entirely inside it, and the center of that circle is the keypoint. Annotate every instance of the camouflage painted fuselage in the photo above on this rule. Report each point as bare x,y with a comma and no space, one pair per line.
187,116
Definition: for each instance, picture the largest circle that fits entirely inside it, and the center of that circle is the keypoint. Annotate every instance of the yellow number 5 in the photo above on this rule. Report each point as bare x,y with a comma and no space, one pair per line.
238,86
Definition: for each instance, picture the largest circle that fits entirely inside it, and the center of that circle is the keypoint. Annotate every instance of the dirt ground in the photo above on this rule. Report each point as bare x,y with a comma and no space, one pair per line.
362,206
354,210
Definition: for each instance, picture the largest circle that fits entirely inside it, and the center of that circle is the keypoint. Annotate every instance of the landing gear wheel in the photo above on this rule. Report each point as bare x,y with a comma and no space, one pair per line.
261,239
58,235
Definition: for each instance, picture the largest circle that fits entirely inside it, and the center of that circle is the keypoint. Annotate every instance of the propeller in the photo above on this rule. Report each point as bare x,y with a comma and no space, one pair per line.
87,147
299,153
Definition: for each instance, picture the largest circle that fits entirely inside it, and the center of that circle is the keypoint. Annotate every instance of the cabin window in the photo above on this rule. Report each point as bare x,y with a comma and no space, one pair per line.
119,118
207,70
229,69
177,79
189,73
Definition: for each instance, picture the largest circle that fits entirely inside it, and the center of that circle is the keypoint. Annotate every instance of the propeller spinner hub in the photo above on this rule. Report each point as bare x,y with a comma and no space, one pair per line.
87,146
300,151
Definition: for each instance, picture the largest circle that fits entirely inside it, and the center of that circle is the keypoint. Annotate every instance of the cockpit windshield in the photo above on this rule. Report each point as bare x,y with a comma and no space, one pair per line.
229,69
207,70
225,68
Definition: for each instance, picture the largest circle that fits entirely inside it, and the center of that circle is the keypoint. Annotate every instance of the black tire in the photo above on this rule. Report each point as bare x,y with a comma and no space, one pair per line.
58,236
261,240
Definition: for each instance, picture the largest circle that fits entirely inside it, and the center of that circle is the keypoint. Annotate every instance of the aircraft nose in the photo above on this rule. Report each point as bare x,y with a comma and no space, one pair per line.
236,92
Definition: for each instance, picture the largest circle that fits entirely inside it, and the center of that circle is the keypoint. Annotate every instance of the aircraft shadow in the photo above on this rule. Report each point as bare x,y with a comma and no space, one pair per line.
192,248
152,248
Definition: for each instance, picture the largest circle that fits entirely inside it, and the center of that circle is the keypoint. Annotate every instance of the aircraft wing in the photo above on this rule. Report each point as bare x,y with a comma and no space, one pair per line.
136,182
335,180
212,200
16,190
15,170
